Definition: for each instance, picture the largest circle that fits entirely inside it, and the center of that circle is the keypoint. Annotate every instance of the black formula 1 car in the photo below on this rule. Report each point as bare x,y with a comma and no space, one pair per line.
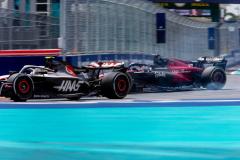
174,74
58,79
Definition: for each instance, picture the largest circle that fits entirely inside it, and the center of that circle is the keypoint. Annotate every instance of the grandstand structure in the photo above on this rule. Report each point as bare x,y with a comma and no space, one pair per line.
119,27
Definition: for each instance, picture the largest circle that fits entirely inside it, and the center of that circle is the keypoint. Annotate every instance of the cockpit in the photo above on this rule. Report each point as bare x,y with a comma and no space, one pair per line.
160,61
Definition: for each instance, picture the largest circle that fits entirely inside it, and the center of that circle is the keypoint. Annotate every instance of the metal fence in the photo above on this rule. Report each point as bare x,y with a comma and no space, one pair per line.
186,38
229,38
96,25
90,26
115,26
27,31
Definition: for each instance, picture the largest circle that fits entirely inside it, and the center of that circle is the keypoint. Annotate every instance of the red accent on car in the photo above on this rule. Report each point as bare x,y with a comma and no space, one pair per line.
8,86
70,70
122,85
183,71
23,87
109,64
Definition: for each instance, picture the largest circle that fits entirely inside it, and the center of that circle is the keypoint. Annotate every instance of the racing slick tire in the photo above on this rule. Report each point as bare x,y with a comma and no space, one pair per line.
23,87
115,85
214,78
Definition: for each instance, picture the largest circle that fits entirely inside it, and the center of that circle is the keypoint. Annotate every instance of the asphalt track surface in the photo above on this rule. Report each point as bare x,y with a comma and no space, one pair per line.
231,91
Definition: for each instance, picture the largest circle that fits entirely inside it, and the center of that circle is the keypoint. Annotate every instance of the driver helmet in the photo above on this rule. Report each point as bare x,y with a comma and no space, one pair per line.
49,62
158,60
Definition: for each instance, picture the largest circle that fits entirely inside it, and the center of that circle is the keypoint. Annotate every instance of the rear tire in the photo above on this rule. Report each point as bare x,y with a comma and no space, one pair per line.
214,78
22,87
115,85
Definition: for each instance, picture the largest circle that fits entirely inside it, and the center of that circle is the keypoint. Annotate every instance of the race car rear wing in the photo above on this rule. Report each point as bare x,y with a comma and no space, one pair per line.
203,62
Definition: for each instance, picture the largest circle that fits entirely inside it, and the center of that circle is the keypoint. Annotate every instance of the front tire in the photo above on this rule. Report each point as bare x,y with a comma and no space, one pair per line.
115,85
23,87
214,78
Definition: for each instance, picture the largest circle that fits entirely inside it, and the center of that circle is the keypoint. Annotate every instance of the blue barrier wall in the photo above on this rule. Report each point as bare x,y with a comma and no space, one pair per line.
16,63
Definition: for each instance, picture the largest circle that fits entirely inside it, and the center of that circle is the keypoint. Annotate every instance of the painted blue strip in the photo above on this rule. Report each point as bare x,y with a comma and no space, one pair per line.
115,105
207,99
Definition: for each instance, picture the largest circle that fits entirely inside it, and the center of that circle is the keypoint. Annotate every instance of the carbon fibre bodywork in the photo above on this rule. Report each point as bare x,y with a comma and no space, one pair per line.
175,74
59,79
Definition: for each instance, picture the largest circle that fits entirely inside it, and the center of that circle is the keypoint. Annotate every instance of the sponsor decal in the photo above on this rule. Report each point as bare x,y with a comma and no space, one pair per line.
211,59
112,64
180,71
41,96
69,86
159,74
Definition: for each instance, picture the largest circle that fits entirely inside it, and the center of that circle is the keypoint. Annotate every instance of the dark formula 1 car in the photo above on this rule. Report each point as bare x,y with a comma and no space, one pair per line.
172,74
60,80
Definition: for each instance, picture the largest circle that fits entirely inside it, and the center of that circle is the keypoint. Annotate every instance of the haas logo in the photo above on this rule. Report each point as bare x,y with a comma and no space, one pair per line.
69,86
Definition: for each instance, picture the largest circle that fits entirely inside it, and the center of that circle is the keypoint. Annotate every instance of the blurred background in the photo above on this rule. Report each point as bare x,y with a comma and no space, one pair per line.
128,30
